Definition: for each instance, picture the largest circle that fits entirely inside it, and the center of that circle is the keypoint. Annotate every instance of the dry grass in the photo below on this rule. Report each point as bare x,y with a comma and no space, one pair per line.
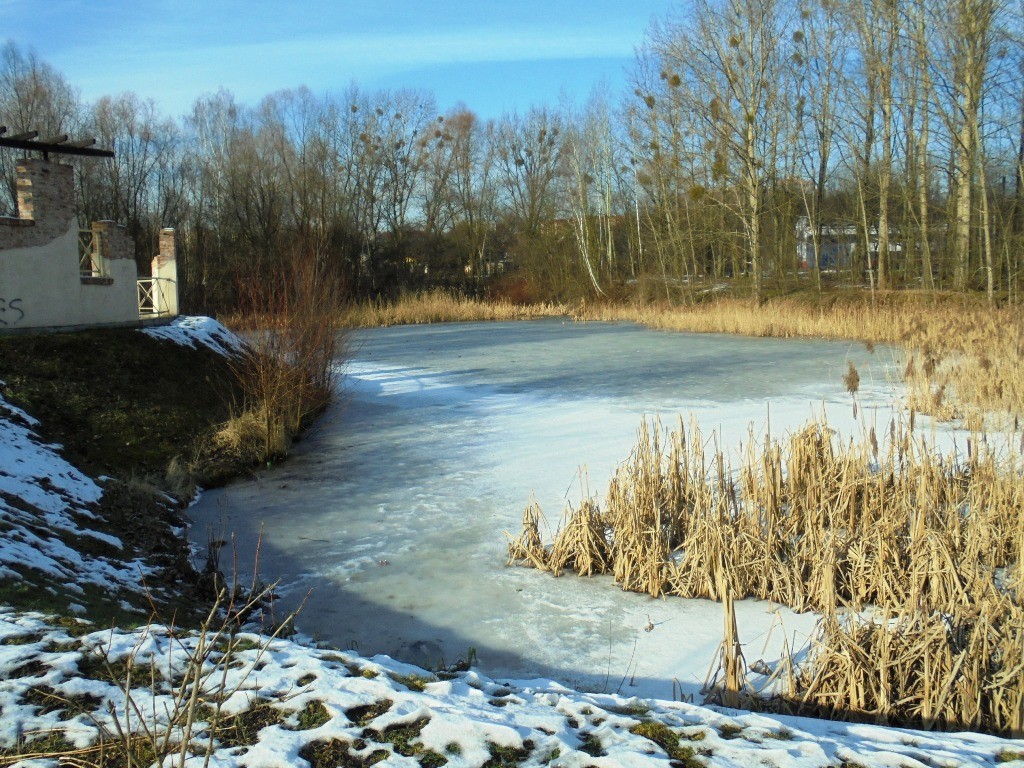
441,307
893,318
882,525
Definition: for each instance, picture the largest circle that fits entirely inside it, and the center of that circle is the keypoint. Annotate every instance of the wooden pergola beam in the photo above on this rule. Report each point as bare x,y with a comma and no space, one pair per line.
26,136
58,144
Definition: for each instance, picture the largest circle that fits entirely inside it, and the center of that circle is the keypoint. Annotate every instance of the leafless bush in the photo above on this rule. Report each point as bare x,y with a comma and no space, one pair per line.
172,686
289,366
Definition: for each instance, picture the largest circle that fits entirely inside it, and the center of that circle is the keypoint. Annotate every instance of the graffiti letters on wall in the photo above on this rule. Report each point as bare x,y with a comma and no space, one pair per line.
11,312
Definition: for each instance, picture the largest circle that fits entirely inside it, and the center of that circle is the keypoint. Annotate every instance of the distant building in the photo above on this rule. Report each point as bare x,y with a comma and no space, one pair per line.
838,245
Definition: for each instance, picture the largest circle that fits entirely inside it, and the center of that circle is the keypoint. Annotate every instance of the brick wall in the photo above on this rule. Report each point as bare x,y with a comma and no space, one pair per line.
168,249
46,205
113,241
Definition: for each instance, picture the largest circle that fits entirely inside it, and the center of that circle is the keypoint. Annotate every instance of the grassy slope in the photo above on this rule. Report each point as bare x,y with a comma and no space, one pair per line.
122,405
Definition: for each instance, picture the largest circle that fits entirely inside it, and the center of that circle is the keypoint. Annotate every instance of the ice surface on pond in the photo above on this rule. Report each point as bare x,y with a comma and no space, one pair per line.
390,515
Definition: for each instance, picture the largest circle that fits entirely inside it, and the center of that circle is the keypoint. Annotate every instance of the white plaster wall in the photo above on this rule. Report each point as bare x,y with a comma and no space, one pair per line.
41,287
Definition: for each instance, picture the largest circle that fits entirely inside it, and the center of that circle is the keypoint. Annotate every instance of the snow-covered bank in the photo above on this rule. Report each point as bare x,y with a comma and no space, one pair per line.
45,515
192,331
52,537
374,709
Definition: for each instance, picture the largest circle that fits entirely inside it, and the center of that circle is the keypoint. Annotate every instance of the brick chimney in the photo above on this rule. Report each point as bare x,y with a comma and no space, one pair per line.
46,195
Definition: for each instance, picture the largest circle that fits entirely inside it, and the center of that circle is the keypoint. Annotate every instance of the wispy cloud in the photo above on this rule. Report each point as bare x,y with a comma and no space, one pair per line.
253,69
419,48
173,55
408,49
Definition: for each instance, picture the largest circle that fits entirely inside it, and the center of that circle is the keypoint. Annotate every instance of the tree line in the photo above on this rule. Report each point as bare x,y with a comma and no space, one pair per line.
879,142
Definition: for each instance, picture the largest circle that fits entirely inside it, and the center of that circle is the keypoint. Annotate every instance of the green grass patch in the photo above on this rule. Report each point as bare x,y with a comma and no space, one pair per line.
47,699
48,744
403,738
730,731
26,639
507,757
95,666
413,682
629,710
367,713
339,754
242,730
668,740
313,715
31,668
591,744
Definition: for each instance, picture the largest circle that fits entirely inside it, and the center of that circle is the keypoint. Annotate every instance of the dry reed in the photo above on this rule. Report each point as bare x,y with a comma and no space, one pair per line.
440,306
954,669
884,528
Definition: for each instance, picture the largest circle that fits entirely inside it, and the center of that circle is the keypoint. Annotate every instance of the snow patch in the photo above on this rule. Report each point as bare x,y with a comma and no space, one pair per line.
464,716
43,501
204,331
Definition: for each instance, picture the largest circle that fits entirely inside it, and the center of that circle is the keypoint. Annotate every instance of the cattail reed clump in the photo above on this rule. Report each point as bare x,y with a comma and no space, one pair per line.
877,528
954,670
851,379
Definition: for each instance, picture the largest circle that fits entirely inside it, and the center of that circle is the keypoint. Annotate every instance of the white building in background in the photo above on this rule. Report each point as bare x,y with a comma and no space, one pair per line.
838,245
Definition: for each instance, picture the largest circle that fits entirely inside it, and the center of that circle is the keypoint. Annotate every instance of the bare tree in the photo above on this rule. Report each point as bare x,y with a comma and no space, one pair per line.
730,65
877,25
591,164
919,98
472,183
528,152
965,35
33,97
130,187
818,60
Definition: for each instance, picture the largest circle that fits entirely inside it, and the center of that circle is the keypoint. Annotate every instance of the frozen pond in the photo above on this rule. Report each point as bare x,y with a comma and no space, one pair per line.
391,514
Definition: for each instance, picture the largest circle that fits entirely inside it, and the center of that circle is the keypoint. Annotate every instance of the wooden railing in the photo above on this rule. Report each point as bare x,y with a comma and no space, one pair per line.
152,302
88,258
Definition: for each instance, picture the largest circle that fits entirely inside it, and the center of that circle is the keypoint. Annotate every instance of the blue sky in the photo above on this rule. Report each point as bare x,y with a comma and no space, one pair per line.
492,56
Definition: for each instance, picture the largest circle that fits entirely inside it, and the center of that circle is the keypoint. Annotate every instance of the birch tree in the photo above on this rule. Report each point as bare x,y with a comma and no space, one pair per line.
728,54
965,36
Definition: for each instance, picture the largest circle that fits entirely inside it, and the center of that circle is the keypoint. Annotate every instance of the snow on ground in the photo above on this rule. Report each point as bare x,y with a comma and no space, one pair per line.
204,331
54,678
44,513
